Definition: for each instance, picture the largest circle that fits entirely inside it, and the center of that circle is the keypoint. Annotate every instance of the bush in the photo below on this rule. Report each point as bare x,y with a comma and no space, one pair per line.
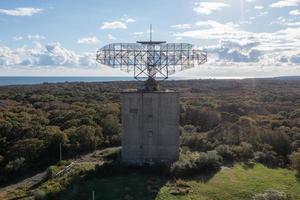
226,152
267,157
271,194
39,194
15,165
192,163
295,160
243,152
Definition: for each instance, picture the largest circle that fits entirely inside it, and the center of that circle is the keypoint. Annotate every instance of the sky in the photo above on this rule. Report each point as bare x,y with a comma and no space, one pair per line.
243,38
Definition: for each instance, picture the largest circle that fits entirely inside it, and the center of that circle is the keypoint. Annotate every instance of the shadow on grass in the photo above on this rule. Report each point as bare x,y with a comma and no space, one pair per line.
298,176
113,180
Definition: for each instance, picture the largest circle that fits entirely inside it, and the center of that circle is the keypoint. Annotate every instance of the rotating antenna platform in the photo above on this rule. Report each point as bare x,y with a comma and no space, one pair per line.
151,60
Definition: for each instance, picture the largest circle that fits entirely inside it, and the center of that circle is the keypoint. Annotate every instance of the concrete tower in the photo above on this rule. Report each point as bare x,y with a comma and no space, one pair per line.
150,117
150,131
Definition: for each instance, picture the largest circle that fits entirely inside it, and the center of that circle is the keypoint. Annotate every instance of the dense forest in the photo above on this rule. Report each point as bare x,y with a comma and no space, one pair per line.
221,122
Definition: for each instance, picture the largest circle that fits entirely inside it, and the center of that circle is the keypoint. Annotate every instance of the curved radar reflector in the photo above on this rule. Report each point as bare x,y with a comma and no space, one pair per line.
151,59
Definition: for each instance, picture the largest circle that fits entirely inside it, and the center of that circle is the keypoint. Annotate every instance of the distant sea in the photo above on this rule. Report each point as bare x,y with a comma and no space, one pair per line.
31,80
18,80
27,80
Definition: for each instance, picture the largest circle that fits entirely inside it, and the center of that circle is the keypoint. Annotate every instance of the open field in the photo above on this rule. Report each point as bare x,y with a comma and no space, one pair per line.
236,183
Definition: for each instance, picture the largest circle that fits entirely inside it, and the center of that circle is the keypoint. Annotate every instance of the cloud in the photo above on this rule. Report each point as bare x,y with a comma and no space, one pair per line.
236,51
88,40
286,22
129,20
7,57
30,37
208,8
21,11
114,25
138,34
52,54
119,24
52,59
239,46
18,38
285,3
36,37
295,59
213,30
258,7
111,37
251,1
295,12
182,26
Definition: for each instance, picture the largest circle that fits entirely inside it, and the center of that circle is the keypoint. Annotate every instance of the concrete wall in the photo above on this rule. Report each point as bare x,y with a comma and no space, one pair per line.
150,127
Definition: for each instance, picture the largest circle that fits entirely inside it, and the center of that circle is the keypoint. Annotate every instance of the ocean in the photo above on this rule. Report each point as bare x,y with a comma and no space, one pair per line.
11,80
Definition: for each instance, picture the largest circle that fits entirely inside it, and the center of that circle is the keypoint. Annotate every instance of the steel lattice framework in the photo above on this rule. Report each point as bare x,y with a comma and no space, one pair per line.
153,59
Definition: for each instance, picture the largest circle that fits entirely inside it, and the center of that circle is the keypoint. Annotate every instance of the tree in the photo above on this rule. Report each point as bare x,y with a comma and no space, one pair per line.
30,149
86,137
111,125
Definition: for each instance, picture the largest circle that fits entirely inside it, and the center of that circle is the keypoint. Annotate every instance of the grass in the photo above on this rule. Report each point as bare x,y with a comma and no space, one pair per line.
237,183
128,187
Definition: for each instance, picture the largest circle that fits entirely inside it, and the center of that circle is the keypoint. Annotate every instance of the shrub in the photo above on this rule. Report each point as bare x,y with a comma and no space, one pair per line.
267,157
189,128
193,162
15,165
226,152
39,194
271,194
295,160
244,151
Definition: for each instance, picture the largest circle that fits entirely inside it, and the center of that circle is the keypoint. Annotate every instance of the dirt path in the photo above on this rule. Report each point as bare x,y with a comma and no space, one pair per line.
27,182
35,179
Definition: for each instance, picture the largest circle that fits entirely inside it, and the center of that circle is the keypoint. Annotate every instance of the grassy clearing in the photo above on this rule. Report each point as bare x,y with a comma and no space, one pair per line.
237,183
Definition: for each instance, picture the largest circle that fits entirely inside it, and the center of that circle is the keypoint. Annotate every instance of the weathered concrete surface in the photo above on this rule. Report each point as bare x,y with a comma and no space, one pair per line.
150,127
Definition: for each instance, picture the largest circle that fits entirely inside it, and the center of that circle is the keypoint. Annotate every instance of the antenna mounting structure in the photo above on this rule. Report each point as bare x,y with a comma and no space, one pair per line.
151,59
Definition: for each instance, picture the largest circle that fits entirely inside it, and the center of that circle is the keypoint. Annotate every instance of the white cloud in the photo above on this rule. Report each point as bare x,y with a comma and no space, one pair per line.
52,60
139,34
8,57
35,37
52,54
258,7
21,11
129,20
285,3
295,12
119,24
88,40
18,38
111,37
207,8
236,51
114,25
234,43
182,26
213,30
286,22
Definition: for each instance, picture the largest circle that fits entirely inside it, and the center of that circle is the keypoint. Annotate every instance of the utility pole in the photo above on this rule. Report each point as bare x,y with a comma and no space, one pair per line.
93,195
60,153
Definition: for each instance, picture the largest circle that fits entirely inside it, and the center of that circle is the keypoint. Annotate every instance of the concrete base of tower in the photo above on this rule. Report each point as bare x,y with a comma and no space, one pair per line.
150,132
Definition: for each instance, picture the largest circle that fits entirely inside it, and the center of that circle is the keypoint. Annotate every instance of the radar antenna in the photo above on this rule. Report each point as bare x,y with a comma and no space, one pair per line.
153,60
